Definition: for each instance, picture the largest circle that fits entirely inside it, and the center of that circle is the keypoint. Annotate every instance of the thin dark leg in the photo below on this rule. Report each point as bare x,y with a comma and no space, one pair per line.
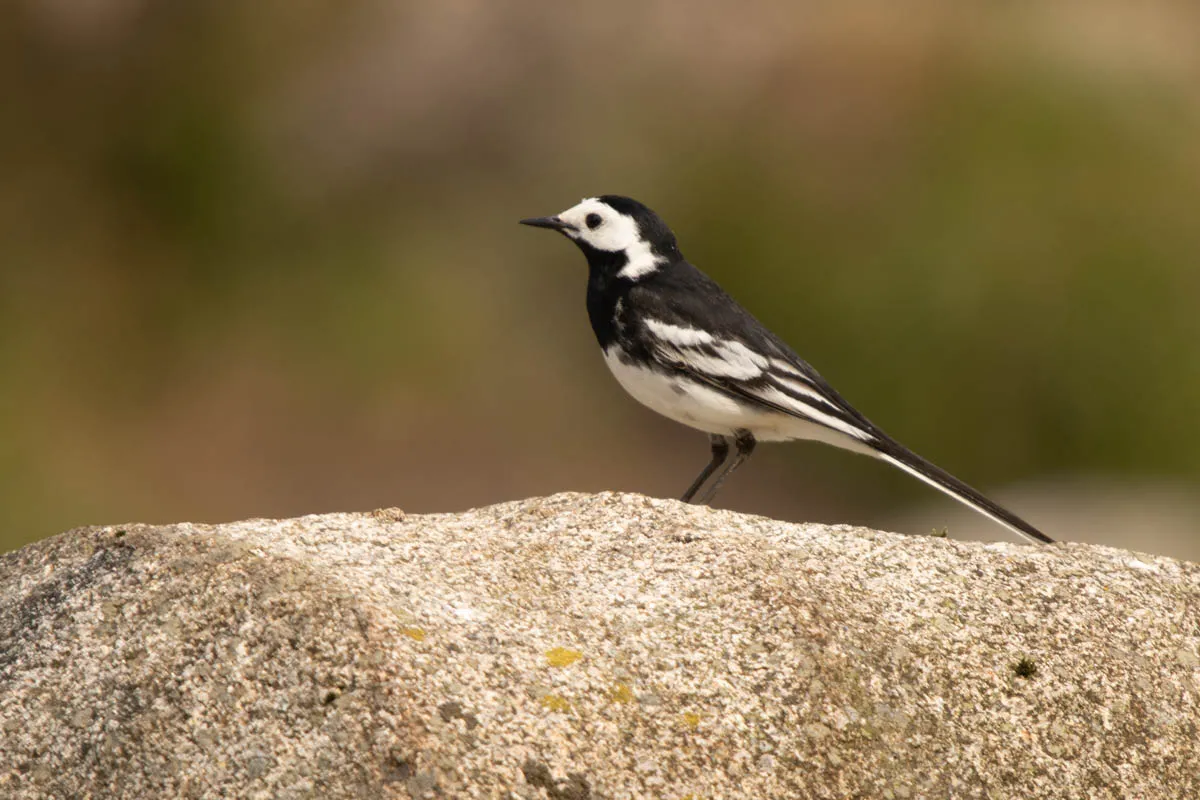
745,446
720,451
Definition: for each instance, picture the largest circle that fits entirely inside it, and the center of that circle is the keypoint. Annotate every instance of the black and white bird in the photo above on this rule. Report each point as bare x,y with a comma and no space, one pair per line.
680,345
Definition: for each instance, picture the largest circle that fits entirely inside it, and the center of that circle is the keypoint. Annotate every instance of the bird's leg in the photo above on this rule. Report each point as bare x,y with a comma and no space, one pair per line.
720,451
744,440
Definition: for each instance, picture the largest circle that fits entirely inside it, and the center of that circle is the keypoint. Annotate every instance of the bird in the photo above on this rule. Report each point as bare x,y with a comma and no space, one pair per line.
680,345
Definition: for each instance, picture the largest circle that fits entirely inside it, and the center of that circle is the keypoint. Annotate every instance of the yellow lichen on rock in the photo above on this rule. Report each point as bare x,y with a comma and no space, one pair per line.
553,702
621,693
562,657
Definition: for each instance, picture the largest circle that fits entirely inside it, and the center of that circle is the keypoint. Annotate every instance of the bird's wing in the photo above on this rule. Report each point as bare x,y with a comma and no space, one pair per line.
722,345
703,333
735,369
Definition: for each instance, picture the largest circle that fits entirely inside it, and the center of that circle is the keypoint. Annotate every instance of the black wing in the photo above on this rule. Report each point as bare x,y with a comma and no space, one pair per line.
692,326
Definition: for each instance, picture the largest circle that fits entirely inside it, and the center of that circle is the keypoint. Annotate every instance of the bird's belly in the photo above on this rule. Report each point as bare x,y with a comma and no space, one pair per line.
698,406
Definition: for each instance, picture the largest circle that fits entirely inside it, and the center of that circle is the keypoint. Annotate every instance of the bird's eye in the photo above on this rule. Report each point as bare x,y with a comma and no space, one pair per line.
593,221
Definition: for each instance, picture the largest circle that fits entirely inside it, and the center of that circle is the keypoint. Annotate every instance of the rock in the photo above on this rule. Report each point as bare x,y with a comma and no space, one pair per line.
608,646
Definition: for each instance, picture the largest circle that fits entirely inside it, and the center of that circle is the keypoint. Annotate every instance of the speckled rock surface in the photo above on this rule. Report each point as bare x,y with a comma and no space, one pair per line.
578,646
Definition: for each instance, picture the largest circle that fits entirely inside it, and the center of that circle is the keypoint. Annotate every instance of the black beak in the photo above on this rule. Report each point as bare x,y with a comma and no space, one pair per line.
553,223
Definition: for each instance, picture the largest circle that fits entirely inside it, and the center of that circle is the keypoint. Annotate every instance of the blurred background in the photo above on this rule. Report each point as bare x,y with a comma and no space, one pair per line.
262,259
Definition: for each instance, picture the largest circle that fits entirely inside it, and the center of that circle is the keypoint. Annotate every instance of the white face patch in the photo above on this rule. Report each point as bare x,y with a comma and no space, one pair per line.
613,233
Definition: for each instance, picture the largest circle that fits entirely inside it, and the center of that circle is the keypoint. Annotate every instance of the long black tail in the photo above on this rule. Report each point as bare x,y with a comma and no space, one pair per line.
897,454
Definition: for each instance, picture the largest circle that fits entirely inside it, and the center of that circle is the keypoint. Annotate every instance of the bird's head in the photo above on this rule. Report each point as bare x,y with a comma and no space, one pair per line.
615,233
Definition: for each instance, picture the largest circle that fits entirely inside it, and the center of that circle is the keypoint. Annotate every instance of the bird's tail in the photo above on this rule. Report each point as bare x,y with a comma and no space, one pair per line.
899,455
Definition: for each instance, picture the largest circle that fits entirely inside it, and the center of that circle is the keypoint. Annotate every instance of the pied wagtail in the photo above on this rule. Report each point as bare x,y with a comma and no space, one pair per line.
680,345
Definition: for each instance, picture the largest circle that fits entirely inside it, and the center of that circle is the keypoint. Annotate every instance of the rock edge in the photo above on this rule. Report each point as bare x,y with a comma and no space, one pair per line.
578,646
